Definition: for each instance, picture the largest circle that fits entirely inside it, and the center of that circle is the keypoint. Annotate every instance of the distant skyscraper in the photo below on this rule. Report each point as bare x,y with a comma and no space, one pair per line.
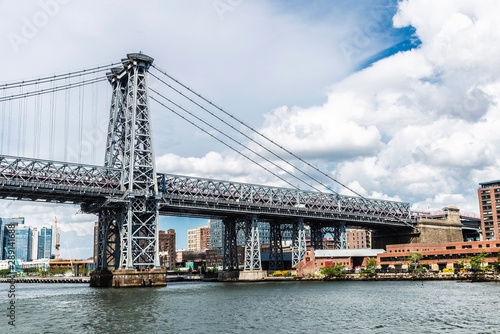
3,235
34,244
45,242
23,242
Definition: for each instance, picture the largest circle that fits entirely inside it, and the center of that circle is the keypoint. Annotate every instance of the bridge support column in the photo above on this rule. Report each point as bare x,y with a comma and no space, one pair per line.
229,246
252,245
316,237
276,261
339,236
299,242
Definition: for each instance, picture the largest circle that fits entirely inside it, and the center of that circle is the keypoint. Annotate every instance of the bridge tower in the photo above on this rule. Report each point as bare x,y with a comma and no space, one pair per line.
128,226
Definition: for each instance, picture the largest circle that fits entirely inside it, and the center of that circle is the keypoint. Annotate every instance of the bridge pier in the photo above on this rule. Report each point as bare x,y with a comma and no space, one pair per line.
128,278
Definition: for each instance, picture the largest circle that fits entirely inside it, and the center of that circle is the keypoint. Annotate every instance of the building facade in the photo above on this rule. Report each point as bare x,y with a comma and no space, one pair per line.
489,205
437,256
23,242
45,242
3,233
199,239
34,244
167,249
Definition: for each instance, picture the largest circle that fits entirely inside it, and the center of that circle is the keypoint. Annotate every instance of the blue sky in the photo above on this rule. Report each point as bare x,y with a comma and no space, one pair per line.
398,100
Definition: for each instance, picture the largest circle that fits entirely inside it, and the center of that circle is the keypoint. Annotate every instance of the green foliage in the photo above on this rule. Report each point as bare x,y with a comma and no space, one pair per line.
496,264
413,260
4,272
372,263
334,270
477,261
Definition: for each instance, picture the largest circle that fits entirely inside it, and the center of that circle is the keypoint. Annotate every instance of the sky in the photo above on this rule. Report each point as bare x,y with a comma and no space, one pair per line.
395,99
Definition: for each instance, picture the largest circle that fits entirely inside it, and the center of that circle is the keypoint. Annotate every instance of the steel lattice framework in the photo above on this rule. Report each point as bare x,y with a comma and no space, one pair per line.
52,181
129,149
191,195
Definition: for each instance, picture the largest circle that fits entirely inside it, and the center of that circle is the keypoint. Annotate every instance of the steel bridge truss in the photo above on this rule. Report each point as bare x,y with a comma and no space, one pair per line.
197,194
52,181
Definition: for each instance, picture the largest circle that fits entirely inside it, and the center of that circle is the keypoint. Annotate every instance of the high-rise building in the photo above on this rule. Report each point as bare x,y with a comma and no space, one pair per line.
34,244
45,242
167,249
23,242
489,204
199,238
3,233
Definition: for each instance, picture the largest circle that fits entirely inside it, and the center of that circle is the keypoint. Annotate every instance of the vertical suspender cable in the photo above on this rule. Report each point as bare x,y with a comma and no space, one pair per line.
66,120
25,124
9,127
51,125
3,124
80,131
19,124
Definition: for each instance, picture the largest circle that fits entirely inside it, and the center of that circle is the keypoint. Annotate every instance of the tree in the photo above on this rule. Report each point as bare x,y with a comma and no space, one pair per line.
476,262
334,270
413,259
496,264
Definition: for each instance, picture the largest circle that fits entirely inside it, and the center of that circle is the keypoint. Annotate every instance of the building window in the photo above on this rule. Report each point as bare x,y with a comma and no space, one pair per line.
450,247
486,191
466,247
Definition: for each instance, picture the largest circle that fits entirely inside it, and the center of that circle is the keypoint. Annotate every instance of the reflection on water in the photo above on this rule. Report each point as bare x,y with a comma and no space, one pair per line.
279,307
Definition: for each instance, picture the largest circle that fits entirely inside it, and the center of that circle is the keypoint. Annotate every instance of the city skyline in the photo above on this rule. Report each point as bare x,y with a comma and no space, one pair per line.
392,101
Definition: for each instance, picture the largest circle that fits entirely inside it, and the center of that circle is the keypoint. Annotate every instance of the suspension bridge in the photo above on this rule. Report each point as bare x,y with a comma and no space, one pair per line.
128,194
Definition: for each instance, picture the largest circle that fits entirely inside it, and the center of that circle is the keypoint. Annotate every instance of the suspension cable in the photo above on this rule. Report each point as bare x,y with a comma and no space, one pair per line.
248,137
57,77
50,90
232,148
255,131
232,139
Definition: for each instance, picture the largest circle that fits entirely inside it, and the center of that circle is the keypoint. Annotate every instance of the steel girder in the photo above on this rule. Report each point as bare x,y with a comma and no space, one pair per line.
252,244
276,261
298,241
223,196
76,177
229,246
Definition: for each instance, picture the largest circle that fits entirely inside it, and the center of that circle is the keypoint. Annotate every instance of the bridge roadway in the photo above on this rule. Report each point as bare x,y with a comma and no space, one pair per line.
88,185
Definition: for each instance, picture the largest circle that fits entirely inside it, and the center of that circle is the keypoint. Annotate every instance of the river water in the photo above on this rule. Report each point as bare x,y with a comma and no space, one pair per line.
266,307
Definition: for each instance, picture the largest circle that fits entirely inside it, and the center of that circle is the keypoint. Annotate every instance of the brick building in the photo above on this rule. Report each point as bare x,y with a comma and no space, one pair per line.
314,260
438,256
199,239
489,204
167,254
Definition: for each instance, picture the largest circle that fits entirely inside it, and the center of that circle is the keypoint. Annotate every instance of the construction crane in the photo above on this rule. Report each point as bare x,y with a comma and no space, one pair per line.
57,240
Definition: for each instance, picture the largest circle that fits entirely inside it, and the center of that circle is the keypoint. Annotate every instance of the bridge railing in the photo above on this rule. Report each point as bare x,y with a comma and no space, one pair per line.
191,187
46,172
